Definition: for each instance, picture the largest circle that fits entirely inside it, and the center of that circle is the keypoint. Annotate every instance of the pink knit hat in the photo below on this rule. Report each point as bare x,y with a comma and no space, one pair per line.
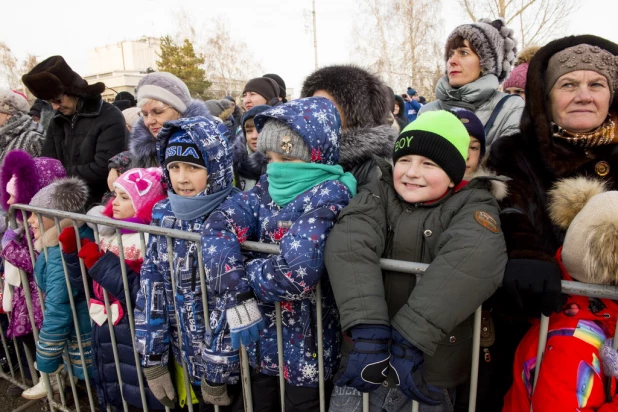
517,77
144,188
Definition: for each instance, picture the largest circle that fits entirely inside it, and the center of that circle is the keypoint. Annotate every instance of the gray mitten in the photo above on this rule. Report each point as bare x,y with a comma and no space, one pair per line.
215,394
161,385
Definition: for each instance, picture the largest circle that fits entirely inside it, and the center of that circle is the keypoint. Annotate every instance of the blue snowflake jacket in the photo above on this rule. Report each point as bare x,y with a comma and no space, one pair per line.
300,228
156,322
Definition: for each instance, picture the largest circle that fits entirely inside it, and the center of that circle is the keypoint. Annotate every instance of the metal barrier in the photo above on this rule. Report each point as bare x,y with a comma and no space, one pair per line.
386,264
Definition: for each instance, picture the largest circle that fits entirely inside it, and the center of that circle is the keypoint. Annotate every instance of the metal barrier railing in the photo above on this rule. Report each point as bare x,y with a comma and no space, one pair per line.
575,288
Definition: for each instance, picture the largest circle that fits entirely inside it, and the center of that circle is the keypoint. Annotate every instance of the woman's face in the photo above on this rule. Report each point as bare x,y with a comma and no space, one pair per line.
580,101
155,113
463,66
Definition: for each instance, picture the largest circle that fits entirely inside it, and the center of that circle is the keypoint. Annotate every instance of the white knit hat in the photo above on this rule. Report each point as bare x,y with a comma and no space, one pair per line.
12,102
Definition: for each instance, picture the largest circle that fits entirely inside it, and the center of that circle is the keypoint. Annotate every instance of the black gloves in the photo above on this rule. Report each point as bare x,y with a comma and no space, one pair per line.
535,285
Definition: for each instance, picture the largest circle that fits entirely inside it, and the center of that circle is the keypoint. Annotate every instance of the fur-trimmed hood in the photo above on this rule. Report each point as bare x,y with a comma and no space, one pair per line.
143,146
360,144
497,185
560,158
31,175
250,166
361,97
50,237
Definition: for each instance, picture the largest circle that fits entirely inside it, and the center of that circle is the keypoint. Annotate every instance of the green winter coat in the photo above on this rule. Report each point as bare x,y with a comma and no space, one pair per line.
459,236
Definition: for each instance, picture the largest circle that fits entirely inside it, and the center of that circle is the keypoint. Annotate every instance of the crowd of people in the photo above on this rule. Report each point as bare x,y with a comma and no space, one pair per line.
504,185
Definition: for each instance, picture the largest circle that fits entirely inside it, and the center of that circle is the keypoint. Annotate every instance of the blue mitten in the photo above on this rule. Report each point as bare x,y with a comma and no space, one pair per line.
364,357
245,321
407,368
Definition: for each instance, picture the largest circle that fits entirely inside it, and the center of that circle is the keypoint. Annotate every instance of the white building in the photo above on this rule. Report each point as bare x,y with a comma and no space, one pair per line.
121,65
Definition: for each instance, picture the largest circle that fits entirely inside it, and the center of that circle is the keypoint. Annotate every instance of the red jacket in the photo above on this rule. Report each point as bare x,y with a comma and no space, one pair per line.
571,377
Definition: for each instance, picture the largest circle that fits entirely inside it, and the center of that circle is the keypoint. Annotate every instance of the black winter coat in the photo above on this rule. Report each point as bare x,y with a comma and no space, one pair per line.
107,273
86,141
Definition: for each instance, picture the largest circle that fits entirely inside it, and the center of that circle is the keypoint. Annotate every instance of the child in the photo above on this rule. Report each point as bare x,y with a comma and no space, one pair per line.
403,337
476,149
136,192
570,376
58,330
198,164
294,205
249,163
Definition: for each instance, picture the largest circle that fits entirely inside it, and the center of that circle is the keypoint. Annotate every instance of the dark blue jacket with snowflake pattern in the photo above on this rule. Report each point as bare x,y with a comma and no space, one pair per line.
300,229
156,325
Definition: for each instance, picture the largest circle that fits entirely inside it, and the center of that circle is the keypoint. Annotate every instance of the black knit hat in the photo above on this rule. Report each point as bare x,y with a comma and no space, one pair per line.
181,148
281,83
439,136
265,87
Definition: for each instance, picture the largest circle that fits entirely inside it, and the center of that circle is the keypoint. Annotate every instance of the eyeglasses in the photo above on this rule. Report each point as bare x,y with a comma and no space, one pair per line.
57,100
154,112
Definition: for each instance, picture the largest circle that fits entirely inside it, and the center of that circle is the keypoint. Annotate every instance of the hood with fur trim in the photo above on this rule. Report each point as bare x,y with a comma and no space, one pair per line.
559,157
250,166
361,144
143,146
31,175
211,137
361,97
497,185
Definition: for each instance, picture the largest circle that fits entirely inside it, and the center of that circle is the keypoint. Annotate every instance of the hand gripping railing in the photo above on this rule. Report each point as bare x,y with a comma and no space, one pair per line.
575,288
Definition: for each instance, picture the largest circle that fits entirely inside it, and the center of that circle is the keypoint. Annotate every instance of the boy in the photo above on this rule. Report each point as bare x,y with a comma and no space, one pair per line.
412,105
198,164
249,163
401,336
294,205
476,149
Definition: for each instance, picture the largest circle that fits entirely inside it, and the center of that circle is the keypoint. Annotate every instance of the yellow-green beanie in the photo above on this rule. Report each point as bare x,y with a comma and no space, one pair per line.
439,136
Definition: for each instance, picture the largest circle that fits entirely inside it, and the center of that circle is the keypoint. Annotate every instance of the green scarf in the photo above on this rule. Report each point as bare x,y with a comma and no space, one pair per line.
288,180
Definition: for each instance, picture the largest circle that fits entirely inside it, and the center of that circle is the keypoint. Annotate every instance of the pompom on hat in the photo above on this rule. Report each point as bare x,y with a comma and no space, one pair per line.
493,42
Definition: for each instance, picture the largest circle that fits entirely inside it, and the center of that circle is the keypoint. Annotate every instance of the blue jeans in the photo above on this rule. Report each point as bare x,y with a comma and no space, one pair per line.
383,399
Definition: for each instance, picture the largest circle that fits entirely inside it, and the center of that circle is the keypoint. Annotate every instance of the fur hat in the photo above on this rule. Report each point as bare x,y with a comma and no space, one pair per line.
166,88
590,215
69,195
12,102
493,42
265,87
30,175
361,98
53,77
144,188
281,83
439,136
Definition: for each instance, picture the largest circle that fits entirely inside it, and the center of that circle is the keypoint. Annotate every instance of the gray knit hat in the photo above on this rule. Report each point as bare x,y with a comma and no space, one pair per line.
220,108
493,42
166,88
12,102
69,194
279,138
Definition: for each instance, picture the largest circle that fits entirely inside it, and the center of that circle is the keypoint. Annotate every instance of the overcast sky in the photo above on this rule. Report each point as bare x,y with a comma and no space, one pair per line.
274,30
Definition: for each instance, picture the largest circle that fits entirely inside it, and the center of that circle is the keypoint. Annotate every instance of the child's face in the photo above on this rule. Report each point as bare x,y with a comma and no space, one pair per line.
474,155
419,179
252,99
187,179
33,221
122,206
111,178
274,157
516,90
252,135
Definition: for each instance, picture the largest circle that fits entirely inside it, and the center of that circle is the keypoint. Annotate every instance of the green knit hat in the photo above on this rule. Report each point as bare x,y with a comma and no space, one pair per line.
439,136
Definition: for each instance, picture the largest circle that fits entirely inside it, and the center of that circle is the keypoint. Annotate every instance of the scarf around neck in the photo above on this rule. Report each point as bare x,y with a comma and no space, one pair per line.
288,180
469,96
189,208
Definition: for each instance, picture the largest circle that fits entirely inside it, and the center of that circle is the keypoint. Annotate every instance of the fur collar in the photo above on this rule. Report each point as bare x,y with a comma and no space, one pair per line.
497,185
250,166
559,158
361,144
50,237
143,146
17,125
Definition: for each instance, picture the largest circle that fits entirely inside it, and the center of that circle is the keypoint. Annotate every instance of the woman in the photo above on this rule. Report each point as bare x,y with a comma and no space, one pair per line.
161,97
479,57
567,130
17,129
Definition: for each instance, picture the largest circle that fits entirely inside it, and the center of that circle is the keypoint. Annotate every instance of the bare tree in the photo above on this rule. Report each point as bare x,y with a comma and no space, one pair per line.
228,62
397,39
8,67
536,20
